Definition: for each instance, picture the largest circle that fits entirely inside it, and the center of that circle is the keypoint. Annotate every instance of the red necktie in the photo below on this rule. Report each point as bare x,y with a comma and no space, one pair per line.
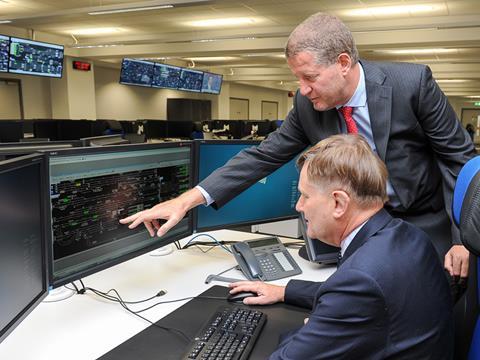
346,111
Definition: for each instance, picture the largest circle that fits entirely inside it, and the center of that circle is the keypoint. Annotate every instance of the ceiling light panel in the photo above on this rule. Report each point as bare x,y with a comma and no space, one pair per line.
417,51
400,10
222,22
95,31
132,9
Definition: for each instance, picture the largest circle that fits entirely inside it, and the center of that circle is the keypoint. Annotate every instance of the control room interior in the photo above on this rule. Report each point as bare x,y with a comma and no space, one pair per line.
84,109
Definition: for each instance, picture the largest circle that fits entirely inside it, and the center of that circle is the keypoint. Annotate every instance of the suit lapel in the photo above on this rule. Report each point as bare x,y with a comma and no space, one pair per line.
373,225
379,99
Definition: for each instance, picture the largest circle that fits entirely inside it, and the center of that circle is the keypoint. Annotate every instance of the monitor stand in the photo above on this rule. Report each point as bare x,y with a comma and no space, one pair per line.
59,294
162,251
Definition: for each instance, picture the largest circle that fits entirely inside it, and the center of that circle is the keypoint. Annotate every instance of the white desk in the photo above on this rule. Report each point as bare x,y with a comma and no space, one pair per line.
85,326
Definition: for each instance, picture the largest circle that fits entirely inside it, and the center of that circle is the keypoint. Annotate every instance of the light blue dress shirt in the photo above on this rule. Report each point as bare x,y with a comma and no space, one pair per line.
362,118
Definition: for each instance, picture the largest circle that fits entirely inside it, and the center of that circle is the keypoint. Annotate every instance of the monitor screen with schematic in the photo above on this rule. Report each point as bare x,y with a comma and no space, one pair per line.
91,189
25,239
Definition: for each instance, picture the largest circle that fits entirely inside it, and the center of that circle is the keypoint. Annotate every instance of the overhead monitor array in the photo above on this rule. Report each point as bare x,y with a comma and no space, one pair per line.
29,57
163,76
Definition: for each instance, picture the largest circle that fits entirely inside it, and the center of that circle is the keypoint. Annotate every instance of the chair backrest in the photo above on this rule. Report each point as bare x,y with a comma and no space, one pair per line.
466,214
466,205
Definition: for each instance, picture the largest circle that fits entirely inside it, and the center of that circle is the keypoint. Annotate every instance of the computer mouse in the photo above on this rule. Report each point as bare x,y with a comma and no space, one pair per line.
238,297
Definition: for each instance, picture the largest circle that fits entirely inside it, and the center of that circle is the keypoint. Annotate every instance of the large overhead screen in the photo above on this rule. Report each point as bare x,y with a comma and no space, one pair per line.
35,58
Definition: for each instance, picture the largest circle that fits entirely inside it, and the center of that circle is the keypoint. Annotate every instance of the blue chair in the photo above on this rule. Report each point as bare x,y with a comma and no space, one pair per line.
466,214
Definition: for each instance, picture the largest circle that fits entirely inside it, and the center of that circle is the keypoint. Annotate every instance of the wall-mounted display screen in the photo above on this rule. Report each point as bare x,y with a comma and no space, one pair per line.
191,80
4,47
136,72
166,76
212,83
35,58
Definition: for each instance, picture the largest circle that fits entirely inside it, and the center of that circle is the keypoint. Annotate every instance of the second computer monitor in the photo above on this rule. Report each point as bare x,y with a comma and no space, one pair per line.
270,199
91,189
24,240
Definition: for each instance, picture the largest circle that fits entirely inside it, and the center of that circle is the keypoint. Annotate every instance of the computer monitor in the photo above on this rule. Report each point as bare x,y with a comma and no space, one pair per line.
31,57
25,239
166,76
154,129
75,129
180,129
11,150
4,48
136,72
315,250
212,83
270,199
191,80
46,128
91,189
11,130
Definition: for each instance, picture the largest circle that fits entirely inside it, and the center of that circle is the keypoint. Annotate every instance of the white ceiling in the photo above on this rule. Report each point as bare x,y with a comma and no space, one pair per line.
253,52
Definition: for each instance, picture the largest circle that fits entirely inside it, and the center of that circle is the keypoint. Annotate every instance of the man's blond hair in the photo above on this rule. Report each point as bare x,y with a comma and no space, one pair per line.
346,162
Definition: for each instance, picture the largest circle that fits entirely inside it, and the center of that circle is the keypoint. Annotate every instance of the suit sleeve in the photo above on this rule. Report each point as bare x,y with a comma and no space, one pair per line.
255,163
450,142
349,319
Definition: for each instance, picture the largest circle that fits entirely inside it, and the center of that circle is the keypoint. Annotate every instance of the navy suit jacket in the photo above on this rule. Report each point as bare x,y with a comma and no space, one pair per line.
389,299
416,133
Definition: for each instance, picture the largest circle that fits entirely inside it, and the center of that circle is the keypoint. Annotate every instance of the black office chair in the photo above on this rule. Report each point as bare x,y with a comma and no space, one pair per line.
466,214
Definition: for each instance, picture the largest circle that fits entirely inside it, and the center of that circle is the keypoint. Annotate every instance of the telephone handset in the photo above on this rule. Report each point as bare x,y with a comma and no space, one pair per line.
265,259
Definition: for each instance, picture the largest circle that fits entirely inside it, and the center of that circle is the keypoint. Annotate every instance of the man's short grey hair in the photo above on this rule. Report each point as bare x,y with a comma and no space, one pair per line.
324,36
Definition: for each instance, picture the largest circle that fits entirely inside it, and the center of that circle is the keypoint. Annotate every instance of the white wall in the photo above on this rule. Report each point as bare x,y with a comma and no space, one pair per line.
256,95
36,95
126,102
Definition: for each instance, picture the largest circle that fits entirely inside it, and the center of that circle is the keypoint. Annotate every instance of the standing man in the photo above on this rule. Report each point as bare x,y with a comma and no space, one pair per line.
397,107
389,298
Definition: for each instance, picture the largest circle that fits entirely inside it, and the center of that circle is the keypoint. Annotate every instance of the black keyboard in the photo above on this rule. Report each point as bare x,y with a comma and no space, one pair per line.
229,335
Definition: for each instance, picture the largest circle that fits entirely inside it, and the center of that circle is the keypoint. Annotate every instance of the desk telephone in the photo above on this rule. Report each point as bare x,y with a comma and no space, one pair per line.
265,259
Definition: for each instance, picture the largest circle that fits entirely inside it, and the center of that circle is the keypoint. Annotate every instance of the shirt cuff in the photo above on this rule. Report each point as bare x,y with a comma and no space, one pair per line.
208,198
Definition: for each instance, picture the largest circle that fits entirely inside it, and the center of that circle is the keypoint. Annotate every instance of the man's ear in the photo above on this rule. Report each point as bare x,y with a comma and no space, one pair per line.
345,62
342,202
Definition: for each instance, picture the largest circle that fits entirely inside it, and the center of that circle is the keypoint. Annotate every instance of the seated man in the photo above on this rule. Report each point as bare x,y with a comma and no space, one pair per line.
389,298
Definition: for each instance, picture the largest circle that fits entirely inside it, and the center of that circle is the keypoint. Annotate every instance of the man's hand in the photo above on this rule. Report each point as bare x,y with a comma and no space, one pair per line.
172,210
266,293
456,261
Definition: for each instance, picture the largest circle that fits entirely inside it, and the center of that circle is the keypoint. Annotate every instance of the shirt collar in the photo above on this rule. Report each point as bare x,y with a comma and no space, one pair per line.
359,97
348,239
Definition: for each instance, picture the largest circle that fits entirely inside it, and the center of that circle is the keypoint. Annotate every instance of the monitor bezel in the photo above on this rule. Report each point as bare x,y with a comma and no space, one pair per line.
23,148
8,53
212,92
35,74
17,163
196,228
136,84
56,281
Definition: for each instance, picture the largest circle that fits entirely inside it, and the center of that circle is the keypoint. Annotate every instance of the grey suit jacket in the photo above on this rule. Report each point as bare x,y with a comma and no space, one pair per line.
415,130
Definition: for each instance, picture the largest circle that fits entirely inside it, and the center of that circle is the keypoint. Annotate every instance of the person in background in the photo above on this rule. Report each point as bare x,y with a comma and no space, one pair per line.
471,130
389,298
397,107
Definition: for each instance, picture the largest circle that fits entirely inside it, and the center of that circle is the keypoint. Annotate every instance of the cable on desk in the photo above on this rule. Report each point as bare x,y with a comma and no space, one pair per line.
123,303
182,299
217,243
